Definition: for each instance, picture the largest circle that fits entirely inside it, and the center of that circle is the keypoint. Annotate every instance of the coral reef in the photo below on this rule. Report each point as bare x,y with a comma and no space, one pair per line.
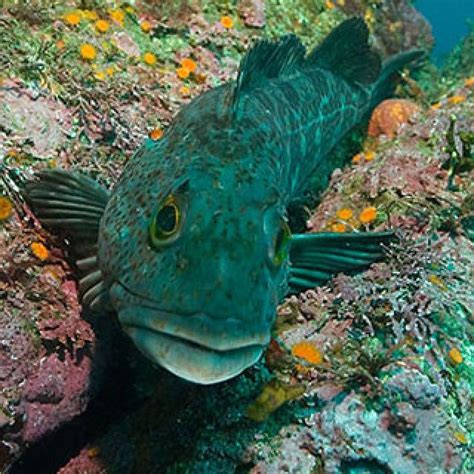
372,372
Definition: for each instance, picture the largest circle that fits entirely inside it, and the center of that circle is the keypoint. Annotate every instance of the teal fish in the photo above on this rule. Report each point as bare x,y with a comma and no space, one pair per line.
192,248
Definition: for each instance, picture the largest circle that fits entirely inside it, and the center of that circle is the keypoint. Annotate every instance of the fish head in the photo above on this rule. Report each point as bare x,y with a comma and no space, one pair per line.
196,263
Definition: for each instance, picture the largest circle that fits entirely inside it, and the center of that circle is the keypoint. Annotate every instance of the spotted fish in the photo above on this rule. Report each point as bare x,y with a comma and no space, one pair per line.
192,247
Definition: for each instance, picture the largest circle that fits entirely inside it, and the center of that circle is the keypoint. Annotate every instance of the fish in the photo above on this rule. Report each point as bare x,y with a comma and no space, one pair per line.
192,248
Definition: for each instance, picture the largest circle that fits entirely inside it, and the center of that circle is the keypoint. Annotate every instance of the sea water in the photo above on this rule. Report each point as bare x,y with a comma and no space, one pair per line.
450,20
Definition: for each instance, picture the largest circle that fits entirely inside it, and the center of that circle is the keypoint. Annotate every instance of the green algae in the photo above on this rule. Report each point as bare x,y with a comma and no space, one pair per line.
310,20
459,65
460,159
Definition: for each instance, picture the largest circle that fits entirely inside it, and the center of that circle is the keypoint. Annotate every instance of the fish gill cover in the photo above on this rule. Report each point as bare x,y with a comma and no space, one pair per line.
370,371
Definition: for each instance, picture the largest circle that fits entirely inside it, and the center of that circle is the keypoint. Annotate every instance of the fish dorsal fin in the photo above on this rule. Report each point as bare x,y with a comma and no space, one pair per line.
346,53
71,205
268,60
316,258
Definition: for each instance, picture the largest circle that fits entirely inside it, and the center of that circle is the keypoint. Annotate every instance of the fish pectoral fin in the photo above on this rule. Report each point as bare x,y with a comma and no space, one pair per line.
316,258
71,205
92,290
66,202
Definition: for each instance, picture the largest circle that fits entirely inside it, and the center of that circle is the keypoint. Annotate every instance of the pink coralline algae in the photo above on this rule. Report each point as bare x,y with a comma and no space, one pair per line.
47,348
378,440
87,461
39,118
252,12
55,394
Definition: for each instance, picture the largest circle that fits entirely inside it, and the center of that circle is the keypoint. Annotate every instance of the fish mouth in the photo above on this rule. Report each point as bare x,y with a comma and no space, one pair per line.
192,362
197,347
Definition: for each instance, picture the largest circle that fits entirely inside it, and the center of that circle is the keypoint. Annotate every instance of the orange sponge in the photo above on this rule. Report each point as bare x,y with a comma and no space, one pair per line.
389,115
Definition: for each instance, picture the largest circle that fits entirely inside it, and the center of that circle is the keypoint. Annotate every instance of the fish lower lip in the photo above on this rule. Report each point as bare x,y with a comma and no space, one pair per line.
191,361
199,329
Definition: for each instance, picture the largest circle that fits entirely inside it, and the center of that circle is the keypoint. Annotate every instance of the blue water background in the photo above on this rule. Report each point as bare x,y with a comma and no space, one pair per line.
449,20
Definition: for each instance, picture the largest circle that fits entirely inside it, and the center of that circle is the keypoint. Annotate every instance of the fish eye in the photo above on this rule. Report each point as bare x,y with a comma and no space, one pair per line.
280,243
166,224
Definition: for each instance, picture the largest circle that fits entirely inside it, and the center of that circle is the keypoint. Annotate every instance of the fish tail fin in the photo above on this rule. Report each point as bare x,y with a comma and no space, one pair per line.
346,53
385,85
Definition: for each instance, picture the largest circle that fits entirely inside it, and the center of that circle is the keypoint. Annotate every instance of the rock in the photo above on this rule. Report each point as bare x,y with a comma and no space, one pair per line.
414,387
347,436
395,24
404,417
252,12
127,44
34,117
46,348
55,394
5,420
87,461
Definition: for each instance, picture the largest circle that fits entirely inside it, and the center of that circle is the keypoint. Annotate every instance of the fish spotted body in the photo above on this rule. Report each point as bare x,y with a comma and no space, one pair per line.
192,249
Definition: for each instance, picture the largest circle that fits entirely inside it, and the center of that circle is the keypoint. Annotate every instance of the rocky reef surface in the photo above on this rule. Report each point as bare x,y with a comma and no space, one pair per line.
370,373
